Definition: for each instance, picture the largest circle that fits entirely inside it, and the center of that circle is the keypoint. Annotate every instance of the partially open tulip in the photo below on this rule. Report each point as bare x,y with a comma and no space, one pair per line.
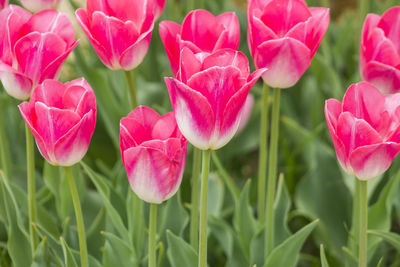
38,5
153,152
365,130
380,50
62,118
3,4
32,48
200,32
283,37
120,30
209,94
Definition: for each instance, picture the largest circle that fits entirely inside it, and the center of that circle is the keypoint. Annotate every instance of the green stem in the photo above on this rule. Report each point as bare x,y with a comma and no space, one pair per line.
272,171
203,209
5,161
262,158
225,177
362,255
355,224
131,79
30,167
79,218
152,235
194,216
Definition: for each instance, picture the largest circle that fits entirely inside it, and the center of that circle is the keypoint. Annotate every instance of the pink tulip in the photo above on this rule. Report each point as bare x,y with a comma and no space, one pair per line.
283,37
200,32
380,50
209,94
120,30
38,5
153,152
365,129
62,118
3,4
32,48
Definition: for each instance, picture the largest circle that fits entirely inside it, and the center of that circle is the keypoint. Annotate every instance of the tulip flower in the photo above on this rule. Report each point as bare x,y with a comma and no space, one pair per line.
32,48
120,30
3,4
365,130
153,151
209,94
38,5
379,53
283,37
200,32
62,118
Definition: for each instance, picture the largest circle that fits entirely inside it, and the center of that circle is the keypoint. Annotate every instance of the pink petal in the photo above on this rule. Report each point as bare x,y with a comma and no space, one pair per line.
73,145
103,53
258,33
228,57
50,93
16,84
97,5
312,31
145,116
231,23
384,77
165,127
355,133
247,110
201,28
79,99
371,161
35,51
281,15
390,23
132,133
286,60
188,65
168,32
135,54
193,113
50,20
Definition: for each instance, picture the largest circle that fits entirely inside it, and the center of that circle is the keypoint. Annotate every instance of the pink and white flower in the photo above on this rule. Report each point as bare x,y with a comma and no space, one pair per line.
62,118
283,37
365,130
153,152
209,94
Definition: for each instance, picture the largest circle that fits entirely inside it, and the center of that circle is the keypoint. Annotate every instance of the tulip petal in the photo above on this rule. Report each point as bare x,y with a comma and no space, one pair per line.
169,31
231,23
384,77
188,65
258,33
371,161
286,60
228,57
50,93
390,24
145,116
16,84
133,133
73,145
165,127
193,113
135,54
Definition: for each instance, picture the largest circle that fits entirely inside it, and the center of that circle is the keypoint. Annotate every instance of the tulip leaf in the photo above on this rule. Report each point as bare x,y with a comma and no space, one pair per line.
281,207
257,248
244,221
390,237
69,258
117,252
179,252
223,233
287,253
216,194
324,261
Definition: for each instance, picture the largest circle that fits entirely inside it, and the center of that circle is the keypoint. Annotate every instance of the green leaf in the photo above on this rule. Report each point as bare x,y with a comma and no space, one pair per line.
287,253
179,252
41,257
244,221
69,258
390,237
117,252
216,194
281,207
223,233
324,261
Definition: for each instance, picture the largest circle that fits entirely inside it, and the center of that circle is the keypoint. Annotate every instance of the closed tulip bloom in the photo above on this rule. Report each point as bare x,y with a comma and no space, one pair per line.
38,5
200,32
153,152
62,118
32,48
283,37
380,50
209,94
365,130
120,30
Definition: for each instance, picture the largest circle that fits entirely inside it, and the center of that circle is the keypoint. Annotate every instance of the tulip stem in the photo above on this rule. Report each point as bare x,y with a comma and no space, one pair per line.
203,209
131,79
355,223
362,254
194,216
262,161
5,161
30,167
272,171
152,235
79,218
